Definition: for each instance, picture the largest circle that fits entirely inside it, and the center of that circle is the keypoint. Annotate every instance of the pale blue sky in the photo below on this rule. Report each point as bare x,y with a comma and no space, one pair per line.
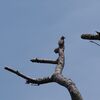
31,28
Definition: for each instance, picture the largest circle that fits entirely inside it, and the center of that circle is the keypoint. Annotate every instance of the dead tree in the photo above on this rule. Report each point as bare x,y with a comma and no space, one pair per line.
56,76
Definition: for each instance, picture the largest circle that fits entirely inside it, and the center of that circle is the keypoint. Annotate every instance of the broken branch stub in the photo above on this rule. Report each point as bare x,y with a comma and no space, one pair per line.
90,36
45,61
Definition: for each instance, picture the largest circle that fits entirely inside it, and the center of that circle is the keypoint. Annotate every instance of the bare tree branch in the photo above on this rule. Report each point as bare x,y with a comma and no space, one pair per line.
69,84
48,61
19,74
90,36
57,75
28,79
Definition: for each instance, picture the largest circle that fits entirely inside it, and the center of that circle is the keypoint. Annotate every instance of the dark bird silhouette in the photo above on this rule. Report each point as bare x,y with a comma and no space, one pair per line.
61,41
98,33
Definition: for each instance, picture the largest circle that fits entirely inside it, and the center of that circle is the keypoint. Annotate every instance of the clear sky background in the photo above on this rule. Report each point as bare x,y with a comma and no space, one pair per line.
31,28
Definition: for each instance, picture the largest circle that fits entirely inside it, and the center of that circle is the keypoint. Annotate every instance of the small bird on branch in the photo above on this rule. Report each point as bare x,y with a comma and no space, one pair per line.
60,43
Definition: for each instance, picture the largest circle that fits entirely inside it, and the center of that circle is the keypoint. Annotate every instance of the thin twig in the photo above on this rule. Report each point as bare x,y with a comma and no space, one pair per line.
95,43
17,73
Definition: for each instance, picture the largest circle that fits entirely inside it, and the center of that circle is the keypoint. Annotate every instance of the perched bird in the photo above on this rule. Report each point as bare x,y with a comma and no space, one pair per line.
61,41
98,33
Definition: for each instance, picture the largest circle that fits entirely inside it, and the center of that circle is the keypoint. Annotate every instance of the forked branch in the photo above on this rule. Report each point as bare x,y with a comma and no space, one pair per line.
57,75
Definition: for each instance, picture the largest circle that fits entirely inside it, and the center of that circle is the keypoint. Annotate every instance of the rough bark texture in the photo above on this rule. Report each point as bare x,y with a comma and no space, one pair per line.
57,75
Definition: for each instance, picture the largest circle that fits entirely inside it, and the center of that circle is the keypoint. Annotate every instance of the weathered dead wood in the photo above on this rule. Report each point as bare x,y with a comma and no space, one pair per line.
28,79
90,36
57,75
47,61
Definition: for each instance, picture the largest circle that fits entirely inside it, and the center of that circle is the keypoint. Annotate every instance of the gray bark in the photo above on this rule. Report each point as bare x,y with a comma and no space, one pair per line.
57,75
